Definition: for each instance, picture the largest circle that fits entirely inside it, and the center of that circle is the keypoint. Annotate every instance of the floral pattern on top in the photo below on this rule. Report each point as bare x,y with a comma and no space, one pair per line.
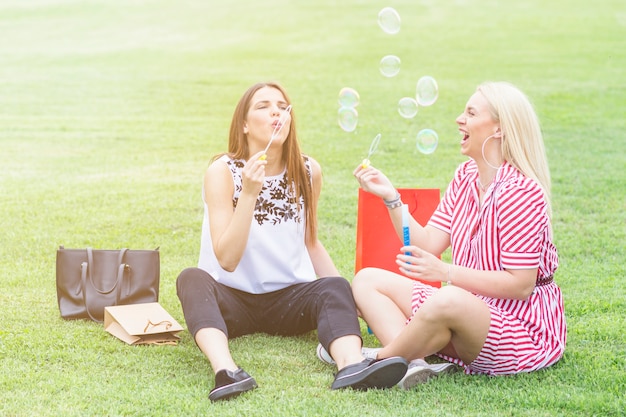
274,205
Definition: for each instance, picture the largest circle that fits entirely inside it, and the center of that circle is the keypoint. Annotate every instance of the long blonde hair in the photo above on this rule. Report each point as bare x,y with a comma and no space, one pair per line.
298,179
522,141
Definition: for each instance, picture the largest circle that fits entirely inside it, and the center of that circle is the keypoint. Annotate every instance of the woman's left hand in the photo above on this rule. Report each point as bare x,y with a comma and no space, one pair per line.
419,264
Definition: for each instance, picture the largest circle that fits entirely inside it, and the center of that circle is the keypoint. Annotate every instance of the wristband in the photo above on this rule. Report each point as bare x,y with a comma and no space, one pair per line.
395,203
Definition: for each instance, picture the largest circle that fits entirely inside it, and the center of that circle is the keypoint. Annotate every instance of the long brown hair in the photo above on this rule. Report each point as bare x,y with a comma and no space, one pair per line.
300,183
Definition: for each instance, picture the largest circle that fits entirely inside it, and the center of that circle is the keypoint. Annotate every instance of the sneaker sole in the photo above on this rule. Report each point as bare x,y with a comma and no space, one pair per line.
382,374
426,373
232,390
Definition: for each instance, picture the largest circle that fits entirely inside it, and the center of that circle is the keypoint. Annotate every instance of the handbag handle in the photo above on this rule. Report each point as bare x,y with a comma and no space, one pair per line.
120,271
86,269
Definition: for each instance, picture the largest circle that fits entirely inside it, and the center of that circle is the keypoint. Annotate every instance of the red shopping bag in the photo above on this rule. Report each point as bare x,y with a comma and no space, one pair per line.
377,243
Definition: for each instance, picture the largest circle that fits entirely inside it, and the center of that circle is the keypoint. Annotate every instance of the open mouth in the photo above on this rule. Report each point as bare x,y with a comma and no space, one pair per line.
465,136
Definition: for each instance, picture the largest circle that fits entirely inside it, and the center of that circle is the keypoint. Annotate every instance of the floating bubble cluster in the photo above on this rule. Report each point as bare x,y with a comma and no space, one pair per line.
347,116
426,93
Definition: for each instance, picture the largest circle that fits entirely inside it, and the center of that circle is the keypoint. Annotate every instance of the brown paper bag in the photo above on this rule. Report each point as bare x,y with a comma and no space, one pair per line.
140,324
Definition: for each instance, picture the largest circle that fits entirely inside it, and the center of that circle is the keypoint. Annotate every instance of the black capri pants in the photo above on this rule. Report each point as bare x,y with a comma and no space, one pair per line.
325,304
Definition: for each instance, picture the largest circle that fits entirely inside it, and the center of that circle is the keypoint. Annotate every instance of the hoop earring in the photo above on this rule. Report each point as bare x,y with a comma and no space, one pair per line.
482,151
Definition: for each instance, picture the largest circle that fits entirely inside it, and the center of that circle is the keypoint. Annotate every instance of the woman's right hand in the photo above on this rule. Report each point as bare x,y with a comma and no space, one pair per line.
253,174
374,181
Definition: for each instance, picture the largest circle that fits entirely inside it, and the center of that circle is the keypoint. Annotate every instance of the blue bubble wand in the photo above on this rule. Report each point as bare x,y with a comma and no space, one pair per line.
406,234
277,129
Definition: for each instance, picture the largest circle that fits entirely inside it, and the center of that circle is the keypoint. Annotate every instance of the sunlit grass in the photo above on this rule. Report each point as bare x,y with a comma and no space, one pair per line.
110,111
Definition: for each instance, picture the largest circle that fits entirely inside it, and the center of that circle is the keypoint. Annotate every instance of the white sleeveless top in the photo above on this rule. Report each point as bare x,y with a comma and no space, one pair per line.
275,255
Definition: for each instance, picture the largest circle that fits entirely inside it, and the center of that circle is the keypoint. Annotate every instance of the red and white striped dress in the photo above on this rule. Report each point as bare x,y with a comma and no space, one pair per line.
511,230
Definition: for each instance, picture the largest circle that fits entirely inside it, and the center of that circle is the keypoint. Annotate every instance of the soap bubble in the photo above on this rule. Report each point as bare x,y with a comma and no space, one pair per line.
390,65
348,97
407,107
427,91
427,140
348,118
389,20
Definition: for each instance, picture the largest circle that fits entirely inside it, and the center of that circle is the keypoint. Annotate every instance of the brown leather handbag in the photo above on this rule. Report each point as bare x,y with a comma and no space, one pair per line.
88,280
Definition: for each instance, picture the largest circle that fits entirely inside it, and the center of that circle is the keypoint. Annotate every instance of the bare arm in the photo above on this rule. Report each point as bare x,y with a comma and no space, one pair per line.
322,262
428,238
509,283
230,228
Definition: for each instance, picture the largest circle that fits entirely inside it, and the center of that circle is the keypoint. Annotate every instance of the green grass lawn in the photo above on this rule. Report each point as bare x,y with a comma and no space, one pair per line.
111,109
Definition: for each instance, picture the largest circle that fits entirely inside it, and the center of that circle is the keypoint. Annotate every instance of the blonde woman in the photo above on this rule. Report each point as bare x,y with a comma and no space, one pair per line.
260,258
500,311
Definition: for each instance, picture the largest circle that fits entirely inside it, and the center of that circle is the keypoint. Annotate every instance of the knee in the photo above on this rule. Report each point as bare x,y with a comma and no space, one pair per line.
364,281
190,277
336,285
445,303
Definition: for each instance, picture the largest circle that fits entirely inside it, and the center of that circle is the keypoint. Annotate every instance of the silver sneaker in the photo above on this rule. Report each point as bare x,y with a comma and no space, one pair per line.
370,353
420,371
324,356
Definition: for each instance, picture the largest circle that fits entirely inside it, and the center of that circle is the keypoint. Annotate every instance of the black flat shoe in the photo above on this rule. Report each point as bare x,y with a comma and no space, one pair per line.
371,374
229,384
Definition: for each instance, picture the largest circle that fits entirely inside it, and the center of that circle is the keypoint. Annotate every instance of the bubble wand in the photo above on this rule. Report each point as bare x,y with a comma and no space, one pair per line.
405,227
277,129
373,149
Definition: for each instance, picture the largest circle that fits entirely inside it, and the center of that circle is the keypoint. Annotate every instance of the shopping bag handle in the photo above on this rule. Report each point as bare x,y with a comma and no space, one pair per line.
165,323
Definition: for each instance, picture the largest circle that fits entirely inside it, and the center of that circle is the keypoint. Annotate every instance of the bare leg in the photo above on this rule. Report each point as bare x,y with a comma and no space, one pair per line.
452,319
214,344
383,300
346,350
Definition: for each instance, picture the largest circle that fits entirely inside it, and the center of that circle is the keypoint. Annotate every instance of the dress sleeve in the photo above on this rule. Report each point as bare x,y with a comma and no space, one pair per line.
522,224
